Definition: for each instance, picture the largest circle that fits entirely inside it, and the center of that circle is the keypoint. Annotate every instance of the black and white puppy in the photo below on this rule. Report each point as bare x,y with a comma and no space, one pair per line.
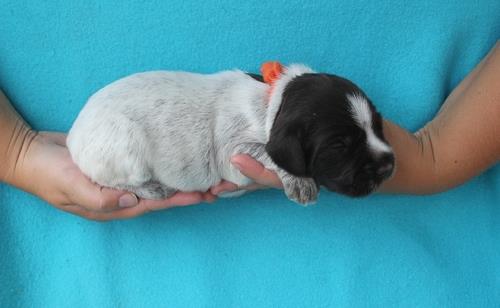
156,133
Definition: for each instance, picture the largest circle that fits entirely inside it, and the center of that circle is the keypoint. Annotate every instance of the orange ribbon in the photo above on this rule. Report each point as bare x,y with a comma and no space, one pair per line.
271,72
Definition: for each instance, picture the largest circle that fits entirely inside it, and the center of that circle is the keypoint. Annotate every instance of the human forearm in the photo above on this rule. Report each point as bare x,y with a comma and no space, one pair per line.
417,170
413,161
459,143
15,137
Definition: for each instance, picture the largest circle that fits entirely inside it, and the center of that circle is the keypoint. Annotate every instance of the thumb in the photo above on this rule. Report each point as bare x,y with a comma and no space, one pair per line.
253,169
101,199
57,138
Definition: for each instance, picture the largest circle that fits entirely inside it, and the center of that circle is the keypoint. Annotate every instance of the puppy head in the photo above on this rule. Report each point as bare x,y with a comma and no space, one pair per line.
326,128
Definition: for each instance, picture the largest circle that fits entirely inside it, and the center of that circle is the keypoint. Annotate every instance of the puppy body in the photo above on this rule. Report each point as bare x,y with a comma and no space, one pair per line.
156,133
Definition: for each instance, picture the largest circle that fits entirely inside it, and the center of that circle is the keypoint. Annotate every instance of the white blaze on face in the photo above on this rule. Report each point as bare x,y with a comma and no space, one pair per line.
360,109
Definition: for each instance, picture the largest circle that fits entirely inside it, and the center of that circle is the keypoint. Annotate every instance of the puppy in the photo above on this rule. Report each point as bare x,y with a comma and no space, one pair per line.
156,133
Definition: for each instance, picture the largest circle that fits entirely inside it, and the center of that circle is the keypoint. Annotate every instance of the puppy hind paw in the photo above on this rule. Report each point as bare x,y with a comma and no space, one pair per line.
151,190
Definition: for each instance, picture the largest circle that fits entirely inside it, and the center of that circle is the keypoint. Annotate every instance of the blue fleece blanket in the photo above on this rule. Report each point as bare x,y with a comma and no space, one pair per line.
259,250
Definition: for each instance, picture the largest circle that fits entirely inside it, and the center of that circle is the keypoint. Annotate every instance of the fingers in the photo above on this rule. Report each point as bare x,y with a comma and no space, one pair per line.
252,169
143,207
256,171
254,186
222,187
57,138
100,203
209,197
178,199
105,216
95,198
69,189
226,186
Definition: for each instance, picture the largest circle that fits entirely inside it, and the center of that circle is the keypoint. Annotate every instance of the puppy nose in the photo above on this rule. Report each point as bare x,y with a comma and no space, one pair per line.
386,166
385,171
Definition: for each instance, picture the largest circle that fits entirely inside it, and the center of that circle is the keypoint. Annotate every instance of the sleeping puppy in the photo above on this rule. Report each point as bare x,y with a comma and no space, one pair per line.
156,133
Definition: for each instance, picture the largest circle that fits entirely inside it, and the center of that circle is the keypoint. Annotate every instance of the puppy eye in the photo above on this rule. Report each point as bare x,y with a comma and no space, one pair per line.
337,145
347,141
341,143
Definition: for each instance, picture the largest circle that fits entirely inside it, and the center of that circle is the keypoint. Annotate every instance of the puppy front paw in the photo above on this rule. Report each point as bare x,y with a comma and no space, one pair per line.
301,190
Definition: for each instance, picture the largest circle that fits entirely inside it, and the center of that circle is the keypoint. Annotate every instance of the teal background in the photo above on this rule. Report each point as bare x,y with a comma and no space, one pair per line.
259,250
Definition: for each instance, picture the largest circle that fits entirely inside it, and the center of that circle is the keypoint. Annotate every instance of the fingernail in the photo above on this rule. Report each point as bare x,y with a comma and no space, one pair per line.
237,165
128,200
210,201
220,192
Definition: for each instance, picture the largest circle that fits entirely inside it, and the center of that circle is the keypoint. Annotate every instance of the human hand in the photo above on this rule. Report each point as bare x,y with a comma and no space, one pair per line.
251,168
47,170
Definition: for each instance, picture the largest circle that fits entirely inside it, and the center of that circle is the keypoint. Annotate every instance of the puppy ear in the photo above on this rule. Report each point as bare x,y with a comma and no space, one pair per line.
286,151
